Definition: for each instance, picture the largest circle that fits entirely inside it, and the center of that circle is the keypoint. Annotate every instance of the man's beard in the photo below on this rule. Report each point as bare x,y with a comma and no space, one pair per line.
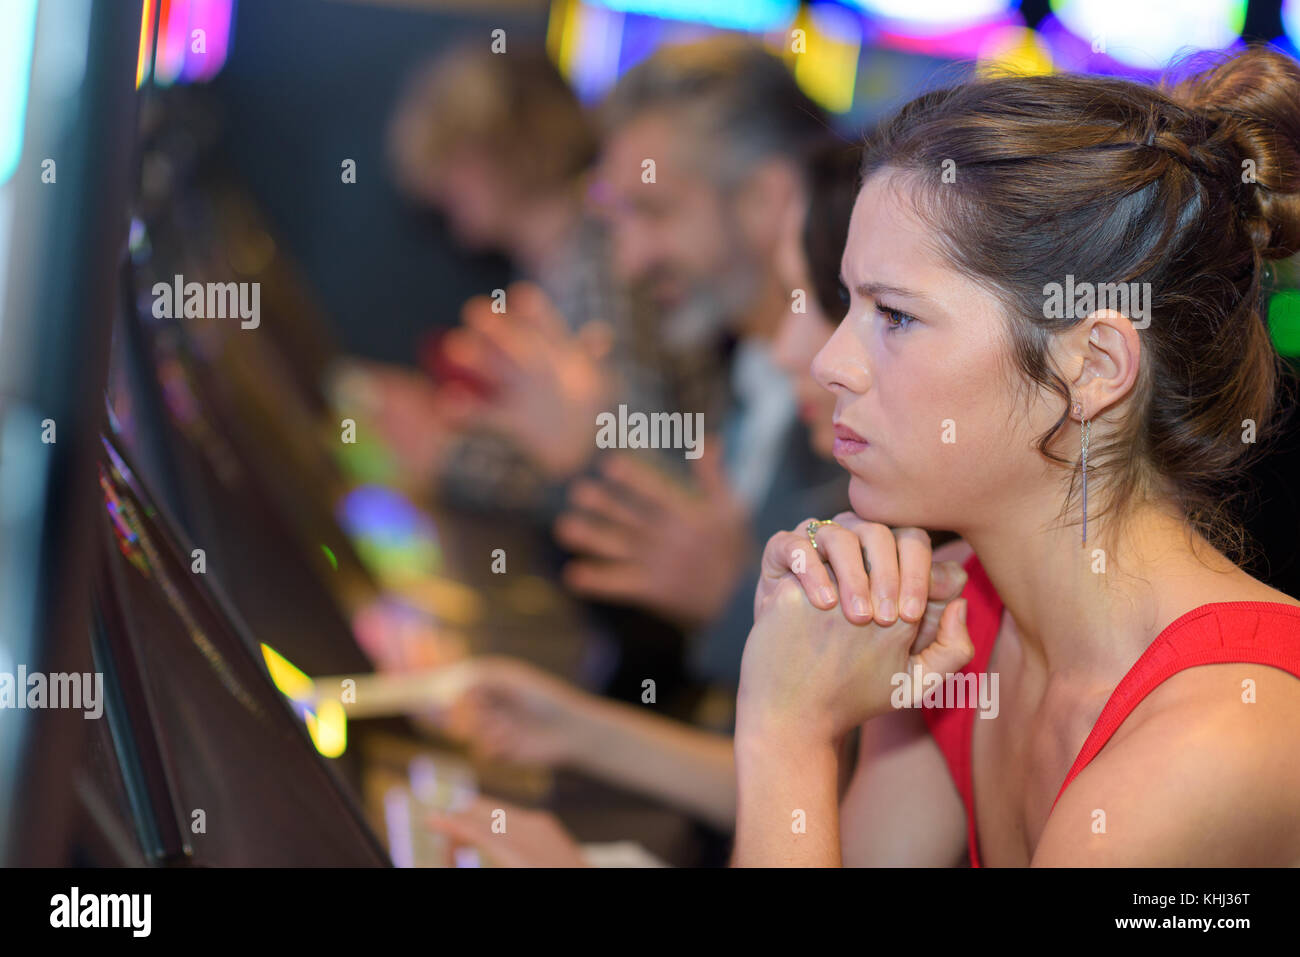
711,308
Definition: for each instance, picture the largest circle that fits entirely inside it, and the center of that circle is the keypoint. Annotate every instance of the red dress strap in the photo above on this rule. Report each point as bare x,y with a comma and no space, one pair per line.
1251,632
1222,632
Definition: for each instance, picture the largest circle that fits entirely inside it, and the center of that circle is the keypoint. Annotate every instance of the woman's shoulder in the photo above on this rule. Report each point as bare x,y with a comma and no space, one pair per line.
1200,747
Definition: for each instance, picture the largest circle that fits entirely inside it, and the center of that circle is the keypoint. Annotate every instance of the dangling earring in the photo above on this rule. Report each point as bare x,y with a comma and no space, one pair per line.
1084,434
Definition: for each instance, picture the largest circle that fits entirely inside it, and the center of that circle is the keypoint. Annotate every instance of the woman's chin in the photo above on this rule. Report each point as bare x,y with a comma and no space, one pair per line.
871,503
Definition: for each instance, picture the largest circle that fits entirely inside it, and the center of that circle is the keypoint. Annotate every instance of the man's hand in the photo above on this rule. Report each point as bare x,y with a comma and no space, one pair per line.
645,540
547,384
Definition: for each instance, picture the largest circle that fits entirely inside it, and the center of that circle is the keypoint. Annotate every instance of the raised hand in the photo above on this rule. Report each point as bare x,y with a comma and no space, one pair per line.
645,540
546,384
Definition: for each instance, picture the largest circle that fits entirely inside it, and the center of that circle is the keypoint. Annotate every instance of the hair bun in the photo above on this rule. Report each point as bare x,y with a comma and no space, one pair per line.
1253,99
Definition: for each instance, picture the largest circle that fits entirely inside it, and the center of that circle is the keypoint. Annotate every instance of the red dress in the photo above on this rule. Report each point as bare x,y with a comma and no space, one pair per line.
1255,632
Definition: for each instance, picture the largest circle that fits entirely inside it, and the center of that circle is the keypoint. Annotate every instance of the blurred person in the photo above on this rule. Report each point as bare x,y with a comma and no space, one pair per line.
705,151
501,146
1119,621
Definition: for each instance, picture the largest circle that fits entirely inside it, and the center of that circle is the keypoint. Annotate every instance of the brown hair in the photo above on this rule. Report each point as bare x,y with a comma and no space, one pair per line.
833,172
1188,186
518,109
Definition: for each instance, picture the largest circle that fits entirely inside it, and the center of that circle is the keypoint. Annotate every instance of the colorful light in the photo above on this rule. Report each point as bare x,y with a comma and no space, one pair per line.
17,35
1291,21
144,60
326,720
1149,34
963,42
193,40
933,16
1284,321
1016,50
751,15
826,68
393,537
586,43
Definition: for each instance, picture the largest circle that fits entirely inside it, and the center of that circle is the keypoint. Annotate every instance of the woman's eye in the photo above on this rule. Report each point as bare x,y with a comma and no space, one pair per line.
844,294
897,320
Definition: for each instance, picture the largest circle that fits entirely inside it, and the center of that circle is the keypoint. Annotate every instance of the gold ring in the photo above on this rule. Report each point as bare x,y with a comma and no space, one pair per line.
813,525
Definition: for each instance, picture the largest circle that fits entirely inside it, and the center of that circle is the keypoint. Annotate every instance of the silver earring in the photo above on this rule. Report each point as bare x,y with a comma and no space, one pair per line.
1084,435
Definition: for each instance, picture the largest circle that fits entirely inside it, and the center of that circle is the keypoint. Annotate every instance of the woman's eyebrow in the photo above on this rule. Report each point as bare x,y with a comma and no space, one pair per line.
870,290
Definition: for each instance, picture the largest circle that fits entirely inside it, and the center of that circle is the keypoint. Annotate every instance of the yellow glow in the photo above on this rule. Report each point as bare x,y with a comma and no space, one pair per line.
563,31
329,728
1015,50
292,683
327,725
827,70
146,32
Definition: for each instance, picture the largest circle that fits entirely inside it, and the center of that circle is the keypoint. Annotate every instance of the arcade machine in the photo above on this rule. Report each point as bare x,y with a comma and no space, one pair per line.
62,198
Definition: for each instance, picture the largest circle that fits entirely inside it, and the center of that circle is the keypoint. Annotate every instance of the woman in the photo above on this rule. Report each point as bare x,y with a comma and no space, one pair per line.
965,399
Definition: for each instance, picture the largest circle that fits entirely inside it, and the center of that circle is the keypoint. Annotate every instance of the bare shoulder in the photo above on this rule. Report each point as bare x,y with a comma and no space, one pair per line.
1202,773
955,551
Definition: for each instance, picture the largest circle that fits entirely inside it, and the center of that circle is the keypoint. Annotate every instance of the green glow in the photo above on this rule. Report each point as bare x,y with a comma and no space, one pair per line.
1284,321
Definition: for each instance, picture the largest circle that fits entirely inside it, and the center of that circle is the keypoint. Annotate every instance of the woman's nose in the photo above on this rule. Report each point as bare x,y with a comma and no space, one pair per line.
840,363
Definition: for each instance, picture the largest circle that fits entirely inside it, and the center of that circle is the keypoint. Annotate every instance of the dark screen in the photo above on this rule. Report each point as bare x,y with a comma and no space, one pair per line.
209,730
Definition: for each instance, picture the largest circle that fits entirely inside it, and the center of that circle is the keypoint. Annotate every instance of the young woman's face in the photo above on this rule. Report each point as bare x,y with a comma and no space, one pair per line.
921,370
801,335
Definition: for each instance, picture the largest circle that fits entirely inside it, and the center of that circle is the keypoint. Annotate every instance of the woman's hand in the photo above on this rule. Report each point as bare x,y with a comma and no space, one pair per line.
903,576
513,711
510,836
814,675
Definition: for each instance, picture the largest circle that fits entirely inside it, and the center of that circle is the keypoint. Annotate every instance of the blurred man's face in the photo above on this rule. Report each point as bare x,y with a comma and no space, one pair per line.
677,240
473,196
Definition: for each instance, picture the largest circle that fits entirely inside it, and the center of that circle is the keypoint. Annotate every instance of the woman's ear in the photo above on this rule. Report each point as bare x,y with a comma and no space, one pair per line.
1103,356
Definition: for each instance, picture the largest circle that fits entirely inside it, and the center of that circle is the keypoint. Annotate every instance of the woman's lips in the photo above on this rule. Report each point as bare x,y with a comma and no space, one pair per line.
847,442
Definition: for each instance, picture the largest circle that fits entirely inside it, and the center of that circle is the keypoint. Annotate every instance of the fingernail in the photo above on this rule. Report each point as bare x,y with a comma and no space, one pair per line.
911,608
861,608
887,610
827,595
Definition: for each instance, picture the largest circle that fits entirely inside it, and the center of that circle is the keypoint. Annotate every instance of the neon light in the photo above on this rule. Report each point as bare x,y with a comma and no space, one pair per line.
326,720
1291,21
752,15
17,36
173,35
1150,34
1284,321
1016,50
827,69
933,16
142,63
292,682
960,44
214,18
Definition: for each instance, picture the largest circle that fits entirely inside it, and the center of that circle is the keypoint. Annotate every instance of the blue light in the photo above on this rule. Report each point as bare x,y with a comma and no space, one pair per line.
17,34
1291,21
753,15
935,15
